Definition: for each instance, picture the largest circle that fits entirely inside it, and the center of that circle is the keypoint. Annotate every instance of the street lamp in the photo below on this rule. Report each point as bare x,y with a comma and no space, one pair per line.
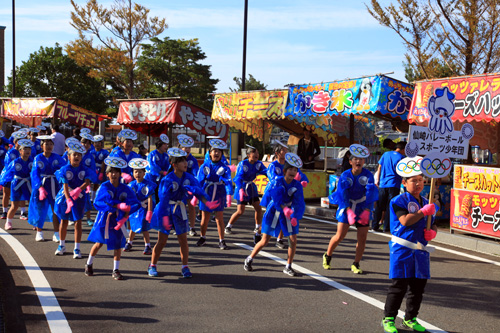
13,48
244,46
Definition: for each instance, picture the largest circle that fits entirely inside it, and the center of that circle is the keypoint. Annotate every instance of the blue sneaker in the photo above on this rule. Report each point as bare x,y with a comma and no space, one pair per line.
77,254
152,271
186,273
60,250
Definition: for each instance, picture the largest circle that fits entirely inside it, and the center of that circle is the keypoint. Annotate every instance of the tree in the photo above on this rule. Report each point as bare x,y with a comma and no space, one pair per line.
461,37
119,31
174,70
250,84
51,73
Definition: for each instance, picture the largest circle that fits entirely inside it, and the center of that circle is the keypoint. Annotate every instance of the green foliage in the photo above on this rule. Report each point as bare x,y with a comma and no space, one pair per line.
444,37
174,70
50,73
250,84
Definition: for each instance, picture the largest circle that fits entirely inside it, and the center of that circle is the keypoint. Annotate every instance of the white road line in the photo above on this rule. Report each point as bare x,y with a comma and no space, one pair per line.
370,300
470,256
53,312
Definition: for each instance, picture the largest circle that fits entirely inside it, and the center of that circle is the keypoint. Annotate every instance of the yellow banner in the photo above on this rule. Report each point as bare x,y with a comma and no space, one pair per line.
315,189
247,111
32,107
477,179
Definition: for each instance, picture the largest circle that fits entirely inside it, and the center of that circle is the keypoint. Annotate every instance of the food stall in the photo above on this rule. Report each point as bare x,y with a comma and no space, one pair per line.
153,117
31,112
329,107
255,113
474,196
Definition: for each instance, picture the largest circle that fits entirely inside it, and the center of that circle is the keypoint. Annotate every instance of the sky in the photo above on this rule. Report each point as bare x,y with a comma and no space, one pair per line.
289,41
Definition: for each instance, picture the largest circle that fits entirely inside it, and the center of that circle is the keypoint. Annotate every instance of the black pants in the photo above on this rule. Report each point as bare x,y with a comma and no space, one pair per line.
397,292
385,195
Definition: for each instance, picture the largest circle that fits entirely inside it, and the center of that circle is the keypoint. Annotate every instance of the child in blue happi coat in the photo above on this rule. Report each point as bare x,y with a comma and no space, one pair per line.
175,188
140,220
285,208
215,179
37,144
44,189
275,170
100,156
17,175
409,253
245,191
355,195
114,202
158,160
72,197
10,156
125,151
88,160
4,146
185,143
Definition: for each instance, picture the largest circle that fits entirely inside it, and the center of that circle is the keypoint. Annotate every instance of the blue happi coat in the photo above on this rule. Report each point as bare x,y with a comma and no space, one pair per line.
244,177
3,151
275,170
173,193
281,193
355,192
118,152
74,177
143,191
17,174
157,164
100,156
103,231
215,179
193,166
11,155
36,149
406,262
43,174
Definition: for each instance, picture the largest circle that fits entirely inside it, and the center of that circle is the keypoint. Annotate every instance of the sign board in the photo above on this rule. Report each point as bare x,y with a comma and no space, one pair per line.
453,144
475,200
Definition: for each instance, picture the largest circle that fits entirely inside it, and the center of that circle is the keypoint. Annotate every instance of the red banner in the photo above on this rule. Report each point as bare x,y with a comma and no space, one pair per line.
475,212
175,111
476,98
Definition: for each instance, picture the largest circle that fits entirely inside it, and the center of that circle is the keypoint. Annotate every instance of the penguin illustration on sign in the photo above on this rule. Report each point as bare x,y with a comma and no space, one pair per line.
364,94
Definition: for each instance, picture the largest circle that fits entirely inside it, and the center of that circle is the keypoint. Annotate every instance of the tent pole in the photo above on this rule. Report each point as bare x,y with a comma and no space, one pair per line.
263,137
149,138
351,129
326,155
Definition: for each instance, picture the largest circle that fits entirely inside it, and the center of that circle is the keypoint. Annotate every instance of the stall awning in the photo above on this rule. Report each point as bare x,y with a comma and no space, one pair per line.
477,101
248,111
379,95
256,113
31,111
149,116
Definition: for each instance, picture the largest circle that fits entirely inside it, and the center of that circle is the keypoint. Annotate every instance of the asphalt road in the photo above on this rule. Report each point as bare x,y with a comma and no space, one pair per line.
462,295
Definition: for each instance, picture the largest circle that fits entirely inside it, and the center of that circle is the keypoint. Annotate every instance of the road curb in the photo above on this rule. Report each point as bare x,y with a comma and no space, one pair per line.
464,241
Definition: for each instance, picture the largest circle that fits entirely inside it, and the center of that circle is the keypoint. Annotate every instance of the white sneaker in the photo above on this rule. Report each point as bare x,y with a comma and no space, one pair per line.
77,254
71,223
60,250
39,237
55,238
